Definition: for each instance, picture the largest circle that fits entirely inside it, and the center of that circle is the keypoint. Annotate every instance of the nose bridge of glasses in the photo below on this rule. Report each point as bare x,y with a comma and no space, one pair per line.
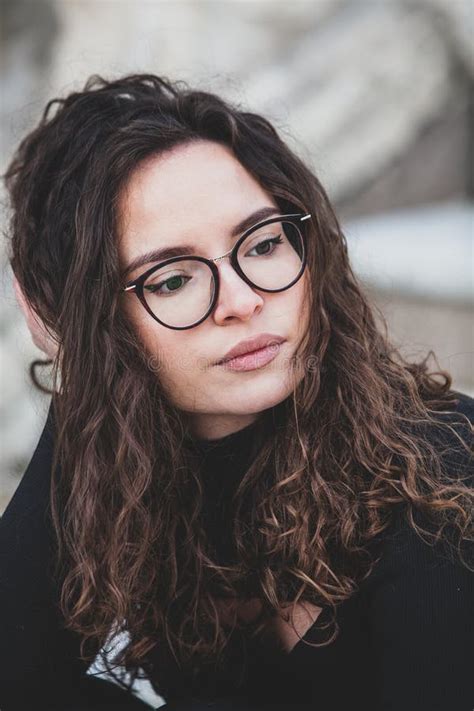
223,256
232,269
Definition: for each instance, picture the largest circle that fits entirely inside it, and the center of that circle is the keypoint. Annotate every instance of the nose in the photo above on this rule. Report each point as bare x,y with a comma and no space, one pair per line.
237,299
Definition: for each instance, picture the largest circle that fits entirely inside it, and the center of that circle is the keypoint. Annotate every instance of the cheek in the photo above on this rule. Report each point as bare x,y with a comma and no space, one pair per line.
163,346
157,340
171,355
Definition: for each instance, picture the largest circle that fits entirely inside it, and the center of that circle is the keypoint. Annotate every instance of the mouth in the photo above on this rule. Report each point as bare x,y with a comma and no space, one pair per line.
251,345
252,360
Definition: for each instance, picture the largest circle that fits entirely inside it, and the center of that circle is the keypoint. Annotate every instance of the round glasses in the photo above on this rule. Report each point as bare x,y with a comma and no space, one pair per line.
181,292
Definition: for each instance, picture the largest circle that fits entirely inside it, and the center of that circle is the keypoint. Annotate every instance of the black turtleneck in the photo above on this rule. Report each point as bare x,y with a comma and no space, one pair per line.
222,464
406,637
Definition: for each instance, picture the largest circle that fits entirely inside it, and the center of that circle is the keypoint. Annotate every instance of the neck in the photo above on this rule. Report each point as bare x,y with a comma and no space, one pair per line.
209,427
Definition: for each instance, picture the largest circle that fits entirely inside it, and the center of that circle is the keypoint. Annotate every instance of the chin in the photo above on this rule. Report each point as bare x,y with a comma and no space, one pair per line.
252,399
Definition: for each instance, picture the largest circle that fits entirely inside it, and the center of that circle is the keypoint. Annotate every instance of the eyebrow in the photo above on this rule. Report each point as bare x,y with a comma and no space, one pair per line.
181,250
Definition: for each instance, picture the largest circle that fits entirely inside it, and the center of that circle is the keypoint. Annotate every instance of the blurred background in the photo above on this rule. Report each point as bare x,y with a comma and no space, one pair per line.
373,95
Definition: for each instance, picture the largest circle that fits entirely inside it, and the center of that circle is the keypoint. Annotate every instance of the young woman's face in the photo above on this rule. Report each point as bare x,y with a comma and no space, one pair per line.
195,195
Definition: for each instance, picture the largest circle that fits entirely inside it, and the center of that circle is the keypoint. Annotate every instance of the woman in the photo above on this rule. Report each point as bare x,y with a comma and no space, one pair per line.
284,529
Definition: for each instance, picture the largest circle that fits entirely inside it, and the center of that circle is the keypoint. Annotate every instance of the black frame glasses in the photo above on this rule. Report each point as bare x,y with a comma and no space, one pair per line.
136,286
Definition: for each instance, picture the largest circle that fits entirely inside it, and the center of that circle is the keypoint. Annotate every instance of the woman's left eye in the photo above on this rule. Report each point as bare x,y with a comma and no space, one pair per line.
267,242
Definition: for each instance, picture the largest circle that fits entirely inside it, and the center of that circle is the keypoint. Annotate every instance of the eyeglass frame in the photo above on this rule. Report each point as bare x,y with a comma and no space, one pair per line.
136,286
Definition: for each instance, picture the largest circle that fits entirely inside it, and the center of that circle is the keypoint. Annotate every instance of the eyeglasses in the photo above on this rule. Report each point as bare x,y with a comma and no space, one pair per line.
181,292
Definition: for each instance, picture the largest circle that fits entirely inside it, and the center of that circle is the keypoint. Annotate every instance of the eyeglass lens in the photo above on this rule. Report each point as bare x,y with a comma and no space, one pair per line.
180,293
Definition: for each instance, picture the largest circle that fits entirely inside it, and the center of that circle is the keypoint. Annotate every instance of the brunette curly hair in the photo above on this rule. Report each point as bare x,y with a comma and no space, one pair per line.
332,464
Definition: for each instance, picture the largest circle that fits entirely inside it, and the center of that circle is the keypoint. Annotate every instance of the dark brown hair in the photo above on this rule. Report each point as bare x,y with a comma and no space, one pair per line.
341,455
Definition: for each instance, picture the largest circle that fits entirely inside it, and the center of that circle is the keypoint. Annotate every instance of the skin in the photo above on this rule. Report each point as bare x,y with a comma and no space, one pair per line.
196,193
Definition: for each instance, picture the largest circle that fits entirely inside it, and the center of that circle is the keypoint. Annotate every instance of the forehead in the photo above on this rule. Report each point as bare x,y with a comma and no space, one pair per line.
196,192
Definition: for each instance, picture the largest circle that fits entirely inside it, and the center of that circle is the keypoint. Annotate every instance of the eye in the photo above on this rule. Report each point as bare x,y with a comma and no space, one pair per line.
173,284
267,246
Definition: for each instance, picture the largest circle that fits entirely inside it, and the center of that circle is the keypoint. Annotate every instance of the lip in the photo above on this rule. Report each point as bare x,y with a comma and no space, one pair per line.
251,346
253,360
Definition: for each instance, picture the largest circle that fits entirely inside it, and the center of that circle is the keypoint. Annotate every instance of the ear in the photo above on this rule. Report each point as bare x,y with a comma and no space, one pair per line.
39,334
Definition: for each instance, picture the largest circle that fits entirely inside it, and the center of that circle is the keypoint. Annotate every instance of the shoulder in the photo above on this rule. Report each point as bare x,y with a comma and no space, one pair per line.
456,443
465,405
458,412
403,550
32,493
451,434
461,409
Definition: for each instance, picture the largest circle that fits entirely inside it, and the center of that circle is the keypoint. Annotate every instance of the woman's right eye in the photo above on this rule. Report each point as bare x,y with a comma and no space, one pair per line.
172,285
